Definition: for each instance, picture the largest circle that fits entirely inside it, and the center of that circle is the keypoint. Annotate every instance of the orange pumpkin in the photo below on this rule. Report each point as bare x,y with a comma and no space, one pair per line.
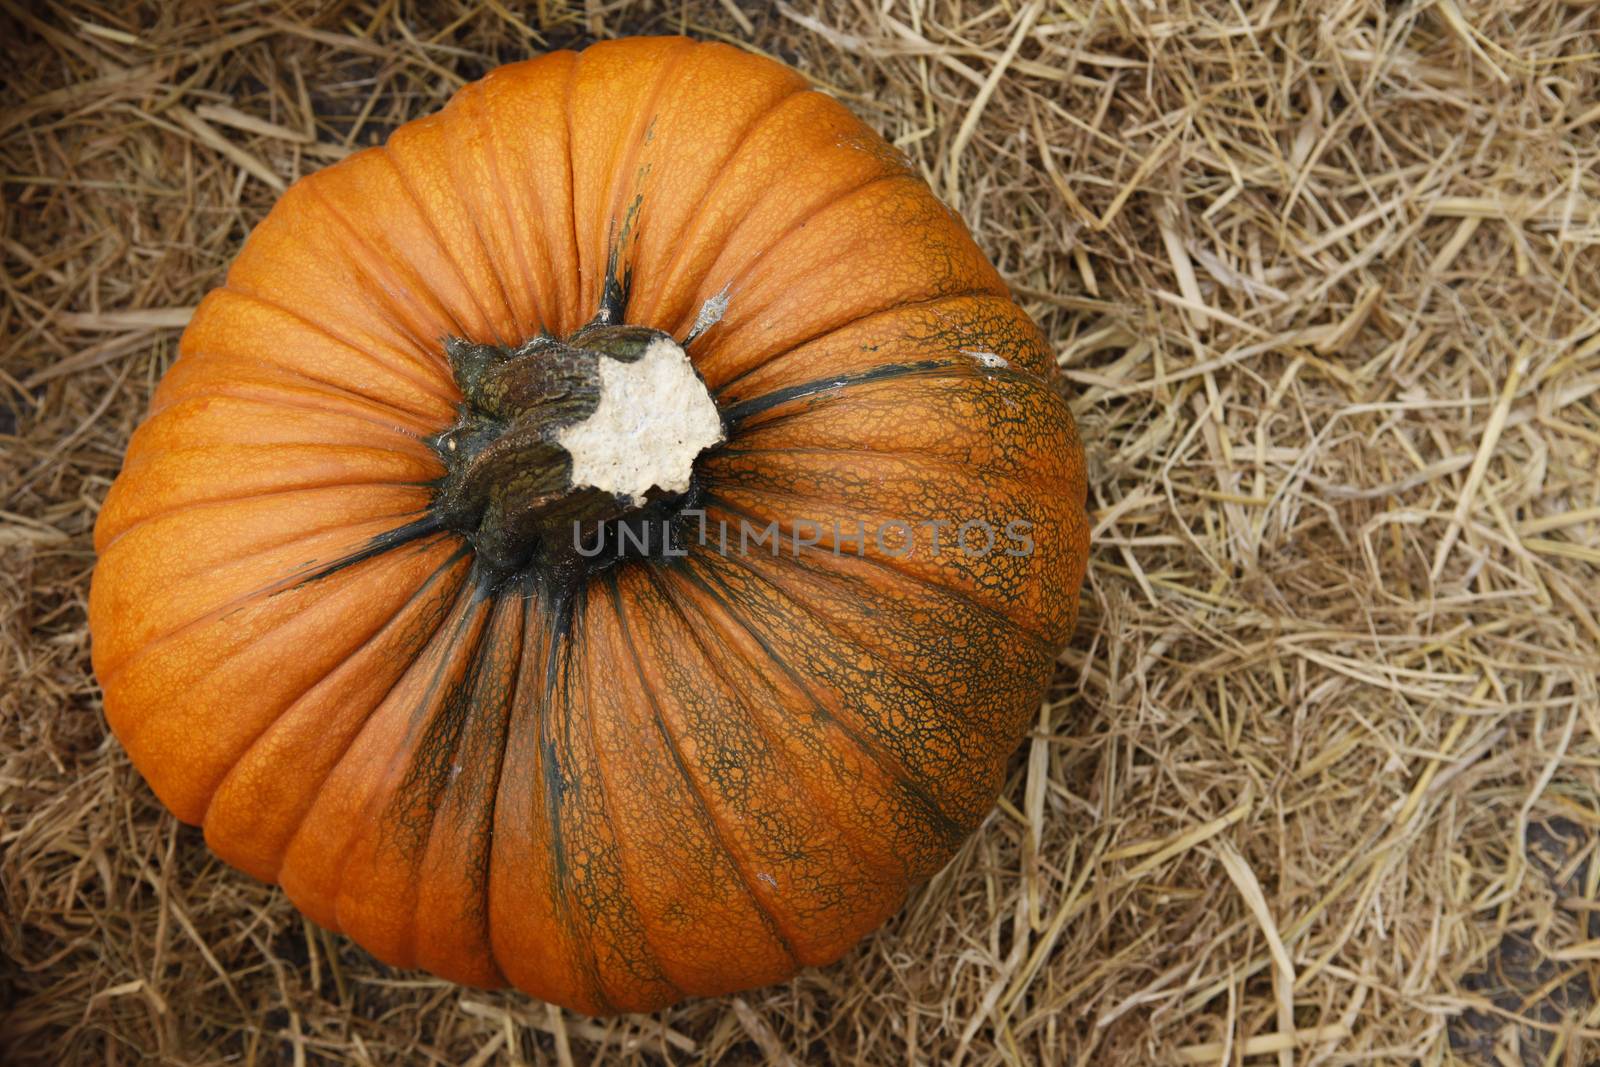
377,604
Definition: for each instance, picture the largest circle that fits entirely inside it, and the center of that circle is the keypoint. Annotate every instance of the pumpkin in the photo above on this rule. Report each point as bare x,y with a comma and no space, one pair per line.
421,590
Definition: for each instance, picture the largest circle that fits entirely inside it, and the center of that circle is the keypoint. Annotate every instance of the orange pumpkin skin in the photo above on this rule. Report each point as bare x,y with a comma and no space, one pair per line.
621,786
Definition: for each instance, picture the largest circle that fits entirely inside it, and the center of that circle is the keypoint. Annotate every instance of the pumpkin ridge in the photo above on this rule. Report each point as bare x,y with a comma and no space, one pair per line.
431,770
311,448
217,421
109,673
659,577
708,819
308,480
445,251
401,369
890,564
432,739
513,701
457,616
469,101
620,890
960,596
208,358
419,529
384,272
666,69
723,169
744,410
427,583
835,387
881,663
922,580
898,868
560,661
247,378
572,181
905,460
868,874
949,827
977,431
452,178
229,501
731,287
349,409
909,455
904,305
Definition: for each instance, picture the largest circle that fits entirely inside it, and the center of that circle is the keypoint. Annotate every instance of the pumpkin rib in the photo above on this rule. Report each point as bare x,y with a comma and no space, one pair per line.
400,369
755,407
921,580
320,424
903,460
520,873
890,661
220,503
904,305
192,451
347,410
323,481
473,702
946,462
822,574
966,597
260,494
458,617
771,249
659,577
444,567
723,170
561,657
822,390
469,101
495,772
707,818
513,313
361,286
881,661
109,673
435,732
199,357
930,820
442,123
185,708
372,253
940,820
254,831
572,178
445,251
273,379
982,427
624,884
667,67
513,701
961,596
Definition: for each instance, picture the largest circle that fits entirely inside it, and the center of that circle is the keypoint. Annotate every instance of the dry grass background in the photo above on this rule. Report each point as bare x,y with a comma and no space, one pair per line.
1318,781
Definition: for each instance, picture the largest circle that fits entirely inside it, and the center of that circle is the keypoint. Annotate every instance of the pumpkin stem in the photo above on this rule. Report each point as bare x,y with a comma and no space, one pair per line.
557,437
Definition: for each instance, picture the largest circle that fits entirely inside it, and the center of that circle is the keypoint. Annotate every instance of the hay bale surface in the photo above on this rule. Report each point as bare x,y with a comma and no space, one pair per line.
1317,783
